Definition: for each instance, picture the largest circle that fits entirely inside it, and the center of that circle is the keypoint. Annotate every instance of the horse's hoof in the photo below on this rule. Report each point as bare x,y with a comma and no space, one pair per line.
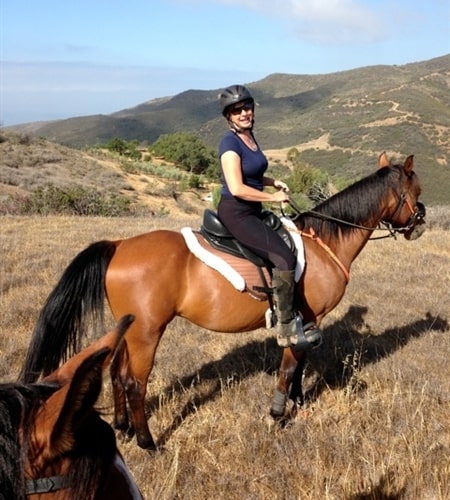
120,425
126,436
155,451
147,444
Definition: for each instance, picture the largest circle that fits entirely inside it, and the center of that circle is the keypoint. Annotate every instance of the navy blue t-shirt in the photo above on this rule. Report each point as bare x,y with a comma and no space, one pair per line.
253,163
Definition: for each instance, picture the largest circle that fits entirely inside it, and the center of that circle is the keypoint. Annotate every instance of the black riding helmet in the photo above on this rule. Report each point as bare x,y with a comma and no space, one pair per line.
232,95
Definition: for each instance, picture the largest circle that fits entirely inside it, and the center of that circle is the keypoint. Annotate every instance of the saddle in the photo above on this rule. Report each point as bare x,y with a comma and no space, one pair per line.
220,238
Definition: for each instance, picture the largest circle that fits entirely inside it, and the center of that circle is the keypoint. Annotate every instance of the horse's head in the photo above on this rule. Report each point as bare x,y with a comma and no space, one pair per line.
405,212
71,451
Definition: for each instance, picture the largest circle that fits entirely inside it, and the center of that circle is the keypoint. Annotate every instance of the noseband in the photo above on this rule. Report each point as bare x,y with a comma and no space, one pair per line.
416,214
45,485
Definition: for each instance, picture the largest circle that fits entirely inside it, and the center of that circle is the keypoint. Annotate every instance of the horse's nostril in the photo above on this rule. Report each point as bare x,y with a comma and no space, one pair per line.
421,211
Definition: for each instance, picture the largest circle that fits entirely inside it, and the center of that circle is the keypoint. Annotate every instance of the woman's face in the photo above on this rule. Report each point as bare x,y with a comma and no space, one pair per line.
241,114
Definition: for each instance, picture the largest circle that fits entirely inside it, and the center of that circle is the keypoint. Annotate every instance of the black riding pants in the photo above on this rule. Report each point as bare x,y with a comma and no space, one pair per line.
243,220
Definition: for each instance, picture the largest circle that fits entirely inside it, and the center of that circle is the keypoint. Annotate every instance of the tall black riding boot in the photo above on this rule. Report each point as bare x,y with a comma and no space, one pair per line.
284,283
290,329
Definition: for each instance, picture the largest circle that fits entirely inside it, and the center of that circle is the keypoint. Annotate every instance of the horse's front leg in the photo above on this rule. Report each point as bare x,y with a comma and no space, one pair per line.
296,393
290,373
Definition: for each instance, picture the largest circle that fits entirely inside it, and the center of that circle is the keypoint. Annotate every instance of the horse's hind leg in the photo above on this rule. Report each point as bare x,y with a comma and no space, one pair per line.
141,348
119,370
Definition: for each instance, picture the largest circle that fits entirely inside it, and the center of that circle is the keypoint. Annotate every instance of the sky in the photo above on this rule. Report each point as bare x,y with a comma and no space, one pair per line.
61,59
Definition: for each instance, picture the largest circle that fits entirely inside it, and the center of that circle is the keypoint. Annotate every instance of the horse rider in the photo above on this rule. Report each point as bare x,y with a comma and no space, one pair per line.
243,171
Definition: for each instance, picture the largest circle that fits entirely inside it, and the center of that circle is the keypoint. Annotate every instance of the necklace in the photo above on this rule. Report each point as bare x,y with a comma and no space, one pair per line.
248,141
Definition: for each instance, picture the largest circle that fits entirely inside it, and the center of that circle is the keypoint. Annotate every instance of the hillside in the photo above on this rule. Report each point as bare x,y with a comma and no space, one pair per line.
28,163
339,122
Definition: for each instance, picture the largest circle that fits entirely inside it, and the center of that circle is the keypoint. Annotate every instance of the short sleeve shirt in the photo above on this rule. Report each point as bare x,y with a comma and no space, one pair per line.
253,163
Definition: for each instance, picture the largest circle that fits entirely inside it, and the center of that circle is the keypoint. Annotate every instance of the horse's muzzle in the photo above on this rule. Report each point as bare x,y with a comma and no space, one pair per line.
418,223
416,231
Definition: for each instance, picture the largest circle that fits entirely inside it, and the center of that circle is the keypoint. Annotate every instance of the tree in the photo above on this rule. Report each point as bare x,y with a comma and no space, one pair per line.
186,150
124,148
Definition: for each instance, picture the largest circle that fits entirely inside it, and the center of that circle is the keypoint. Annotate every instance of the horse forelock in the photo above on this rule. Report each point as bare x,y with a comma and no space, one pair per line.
357,204
92,458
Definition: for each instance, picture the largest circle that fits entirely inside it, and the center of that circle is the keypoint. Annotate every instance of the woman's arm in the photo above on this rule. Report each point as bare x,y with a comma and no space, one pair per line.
268,181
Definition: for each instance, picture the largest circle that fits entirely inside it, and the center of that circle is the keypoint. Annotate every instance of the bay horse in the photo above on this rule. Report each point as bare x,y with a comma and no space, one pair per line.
53,443
155,277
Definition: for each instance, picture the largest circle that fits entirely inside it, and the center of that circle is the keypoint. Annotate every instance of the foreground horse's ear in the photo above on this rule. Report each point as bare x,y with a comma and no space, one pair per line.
383,160
81,381
78,400
409,164
66,410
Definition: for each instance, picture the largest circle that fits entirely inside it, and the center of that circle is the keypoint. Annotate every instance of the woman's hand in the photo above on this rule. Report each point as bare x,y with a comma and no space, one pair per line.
281,185
281,196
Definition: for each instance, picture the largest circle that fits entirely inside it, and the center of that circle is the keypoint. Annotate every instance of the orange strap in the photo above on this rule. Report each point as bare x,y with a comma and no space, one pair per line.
312,234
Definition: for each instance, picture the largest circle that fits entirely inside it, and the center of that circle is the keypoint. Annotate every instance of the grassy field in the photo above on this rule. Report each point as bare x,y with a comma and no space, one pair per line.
376,422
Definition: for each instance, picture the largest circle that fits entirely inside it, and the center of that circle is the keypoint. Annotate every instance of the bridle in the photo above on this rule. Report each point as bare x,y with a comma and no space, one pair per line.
56,483
416,215
45,485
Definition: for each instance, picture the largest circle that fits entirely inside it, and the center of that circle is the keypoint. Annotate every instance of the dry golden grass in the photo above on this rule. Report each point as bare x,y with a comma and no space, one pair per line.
376,421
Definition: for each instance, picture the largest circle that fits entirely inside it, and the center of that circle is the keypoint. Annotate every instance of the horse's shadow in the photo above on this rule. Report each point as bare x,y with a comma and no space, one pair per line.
348,346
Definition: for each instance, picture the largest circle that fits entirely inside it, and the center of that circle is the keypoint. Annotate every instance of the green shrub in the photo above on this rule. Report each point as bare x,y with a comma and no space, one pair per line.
74,200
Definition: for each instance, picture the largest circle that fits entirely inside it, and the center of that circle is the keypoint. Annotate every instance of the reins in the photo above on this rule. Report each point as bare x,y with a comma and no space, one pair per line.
392,232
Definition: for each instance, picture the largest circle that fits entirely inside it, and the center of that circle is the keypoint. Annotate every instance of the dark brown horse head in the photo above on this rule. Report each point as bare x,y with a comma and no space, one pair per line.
68,450
406,212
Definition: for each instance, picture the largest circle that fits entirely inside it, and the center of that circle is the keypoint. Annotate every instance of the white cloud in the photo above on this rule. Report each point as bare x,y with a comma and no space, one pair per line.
322,21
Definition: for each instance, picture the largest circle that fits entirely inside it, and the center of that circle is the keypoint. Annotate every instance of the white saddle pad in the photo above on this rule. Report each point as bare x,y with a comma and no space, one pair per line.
229,272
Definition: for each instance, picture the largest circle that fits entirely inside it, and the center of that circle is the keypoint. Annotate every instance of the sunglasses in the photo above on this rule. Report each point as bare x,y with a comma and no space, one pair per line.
247,106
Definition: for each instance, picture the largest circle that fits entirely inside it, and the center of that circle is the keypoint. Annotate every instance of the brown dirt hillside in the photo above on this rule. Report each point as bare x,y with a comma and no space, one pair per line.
28,163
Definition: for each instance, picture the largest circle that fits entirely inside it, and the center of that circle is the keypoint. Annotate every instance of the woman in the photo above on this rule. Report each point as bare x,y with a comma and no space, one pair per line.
243,166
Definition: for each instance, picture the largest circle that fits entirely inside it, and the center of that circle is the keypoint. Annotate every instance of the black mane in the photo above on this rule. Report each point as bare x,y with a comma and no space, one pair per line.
356,204
18,407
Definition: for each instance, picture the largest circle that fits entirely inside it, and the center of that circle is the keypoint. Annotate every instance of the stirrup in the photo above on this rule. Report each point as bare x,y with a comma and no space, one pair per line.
305,337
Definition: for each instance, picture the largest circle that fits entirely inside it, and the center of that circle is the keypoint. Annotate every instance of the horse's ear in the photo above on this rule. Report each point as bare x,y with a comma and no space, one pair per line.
111,340
78,402
383,160
66,409
409,164
81,380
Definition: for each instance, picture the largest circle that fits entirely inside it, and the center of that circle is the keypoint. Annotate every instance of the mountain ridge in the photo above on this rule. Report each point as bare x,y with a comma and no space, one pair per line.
339,122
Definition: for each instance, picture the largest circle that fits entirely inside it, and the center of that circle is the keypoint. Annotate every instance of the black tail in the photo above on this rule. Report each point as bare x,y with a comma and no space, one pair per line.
77,298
